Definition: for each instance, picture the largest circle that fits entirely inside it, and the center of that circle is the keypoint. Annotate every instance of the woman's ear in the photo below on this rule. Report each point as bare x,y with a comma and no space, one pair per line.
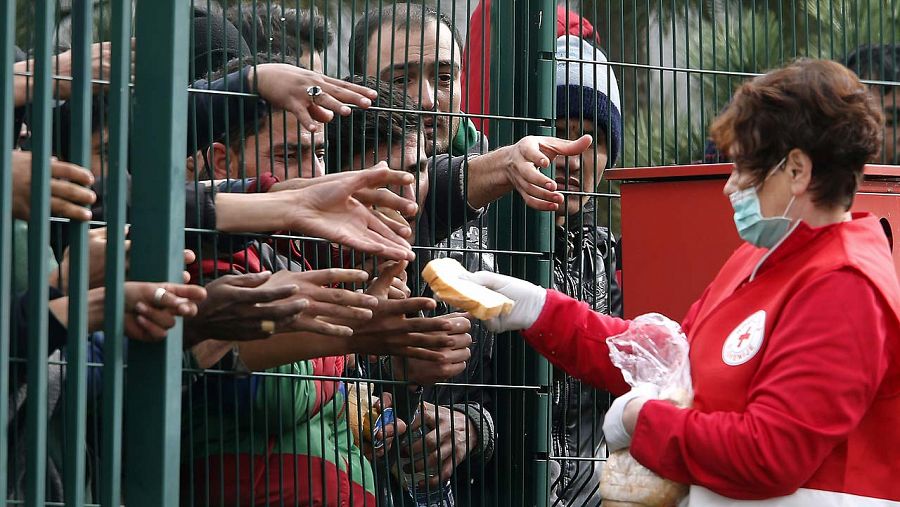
799,167
221,161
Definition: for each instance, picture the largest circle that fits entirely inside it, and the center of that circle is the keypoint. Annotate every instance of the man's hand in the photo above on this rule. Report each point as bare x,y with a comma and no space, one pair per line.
148,318
324,301
69,192
391,332
449,438
386,434
285,86
101,68
516,167
329,210
236,307
451,364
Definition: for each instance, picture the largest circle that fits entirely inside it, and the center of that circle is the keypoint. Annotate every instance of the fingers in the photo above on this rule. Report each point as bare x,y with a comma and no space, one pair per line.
65,209
155,316
380,177
191,292
395,223
72,192
249,280
384,198
71,172
189,256
332,276
566,148
303,323
390,270
349,93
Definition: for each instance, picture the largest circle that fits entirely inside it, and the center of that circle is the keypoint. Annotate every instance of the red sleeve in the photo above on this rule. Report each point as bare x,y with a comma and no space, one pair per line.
573,337
796,412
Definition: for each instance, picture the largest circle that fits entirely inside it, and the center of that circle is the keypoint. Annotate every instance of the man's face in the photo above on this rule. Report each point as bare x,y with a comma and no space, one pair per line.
283,148
891,104
425,63
579,173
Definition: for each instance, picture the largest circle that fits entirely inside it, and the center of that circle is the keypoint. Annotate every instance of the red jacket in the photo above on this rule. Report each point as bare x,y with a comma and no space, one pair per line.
796,374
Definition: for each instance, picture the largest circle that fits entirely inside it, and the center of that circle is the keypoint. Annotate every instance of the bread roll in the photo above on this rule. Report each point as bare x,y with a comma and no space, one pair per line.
443,275
627,483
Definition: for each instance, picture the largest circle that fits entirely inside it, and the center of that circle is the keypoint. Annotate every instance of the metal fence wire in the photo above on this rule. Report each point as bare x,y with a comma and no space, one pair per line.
192,120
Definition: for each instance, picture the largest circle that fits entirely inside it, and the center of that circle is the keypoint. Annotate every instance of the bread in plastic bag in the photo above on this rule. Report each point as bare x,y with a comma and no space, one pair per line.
653,350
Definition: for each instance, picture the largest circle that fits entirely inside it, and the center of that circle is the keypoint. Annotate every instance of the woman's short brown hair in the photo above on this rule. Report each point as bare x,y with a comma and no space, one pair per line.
817,106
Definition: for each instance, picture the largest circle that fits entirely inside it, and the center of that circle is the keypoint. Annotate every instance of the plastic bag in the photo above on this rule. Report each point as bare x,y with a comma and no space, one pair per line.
653,350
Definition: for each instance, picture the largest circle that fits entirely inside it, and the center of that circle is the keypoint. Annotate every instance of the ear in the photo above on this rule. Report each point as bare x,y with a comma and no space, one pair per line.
221,161
799,167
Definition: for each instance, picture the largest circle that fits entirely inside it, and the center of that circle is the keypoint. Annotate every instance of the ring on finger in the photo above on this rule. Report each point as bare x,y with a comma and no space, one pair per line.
267,326
314,93
158,294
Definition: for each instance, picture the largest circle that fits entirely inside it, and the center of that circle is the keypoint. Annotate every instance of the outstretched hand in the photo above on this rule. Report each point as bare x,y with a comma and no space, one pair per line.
532,153
285,87
69,192
329,210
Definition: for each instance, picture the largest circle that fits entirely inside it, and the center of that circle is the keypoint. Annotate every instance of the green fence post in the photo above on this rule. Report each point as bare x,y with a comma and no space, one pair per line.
38,241
113,344
8,15
153,410
76,345
538,233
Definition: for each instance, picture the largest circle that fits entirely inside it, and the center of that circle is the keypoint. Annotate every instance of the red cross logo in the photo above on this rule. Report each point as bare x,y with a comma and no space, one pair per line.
745,336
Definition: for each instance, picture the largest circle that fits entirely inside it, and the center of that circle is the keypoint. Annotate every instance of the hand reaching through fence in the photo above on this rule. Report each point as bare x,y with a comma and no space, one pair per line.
517,167
449,437
236,307
289,87
325,301
151,307
101,68
69,192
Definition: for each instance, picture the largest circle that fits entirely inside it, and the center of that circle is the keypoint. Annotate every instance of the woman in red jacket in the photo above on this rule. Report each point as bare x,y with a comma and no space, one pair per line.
795,345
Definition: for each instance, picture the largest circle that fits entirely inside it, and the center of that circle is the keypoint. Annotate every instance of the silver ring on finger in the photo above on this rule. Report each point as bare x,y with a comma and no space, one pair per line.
314,93
158,294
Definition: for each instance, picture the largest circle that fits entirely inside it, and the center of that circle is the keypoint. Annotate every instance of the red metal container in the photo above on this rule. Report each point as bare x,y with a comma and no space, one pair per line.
677,230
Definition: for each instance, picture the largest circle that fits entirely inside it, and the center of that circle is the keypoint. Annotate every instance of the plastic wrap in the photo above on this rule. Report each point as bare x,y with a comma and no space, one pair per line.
653,350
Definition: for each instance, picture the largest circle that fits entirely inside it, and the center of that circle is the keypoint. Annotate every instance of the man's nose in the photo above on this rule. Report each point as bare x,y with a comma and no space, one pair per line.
572,164
426,99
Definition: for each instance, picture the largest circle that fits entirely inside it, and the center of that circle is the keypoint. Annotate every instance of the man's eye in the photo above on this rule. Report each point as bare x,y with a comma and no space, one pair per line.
445,77
399,81
320,154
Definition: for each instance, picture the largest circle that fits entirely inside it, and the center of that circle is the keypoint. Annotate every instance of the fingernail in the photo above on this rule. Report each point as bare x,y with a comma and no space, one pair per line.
364,103
140,307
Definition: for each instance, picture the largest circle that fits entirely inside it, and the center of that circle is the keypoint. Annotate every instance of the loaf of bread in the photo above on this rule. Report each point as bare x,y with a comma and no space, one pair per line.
627,483
444,277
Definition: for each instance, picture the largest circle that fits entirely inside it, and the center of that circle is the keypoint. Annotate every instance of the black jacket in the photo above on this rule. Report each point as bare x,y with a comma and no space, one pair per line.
584,252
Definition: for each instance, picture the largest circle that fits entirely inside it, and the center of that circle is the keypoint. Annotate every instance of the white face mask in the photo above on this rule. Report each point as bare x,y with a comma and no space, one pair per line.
751,225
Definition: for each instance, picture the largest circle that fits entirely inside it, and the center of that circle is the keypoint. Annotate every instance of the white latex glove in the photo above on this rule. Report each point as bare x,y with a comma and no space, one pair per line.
529,299
613,429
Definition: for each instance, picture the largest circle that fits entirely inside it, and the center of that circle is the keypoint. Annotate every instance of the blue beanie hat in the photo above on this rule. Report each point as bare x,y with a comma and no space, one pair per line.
588,90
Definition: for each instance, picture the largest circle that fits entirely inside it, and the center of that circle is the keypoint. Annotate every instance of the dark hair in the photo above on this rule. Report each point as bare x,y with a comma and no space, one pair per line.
403,15
238,132
817,106
875,62
369,128
287,32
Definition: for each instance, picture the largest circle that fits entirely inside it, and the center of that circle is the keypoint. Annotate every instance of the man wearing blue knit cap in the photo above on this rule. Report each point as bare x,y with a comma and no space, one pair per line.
587,102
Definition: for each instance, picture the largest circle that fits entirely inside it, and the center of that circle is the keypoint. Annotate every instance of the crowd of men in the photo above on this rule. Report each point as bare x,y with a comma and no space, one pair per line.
373,165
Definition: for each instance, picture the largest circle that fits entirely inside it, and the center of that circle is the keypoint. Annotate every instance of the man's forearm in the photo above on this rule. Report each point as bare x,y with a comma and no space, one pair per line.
289,348
486,179
256,212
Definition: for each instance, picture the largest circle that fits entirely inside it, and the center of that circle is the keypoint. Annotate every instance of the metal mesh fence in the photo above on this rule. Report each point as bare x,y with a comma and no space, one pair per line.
193,119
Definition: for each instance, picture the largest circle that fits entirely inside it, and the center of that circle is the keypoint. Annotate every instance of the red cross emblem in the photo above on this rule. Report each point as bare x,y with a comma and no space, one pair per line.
745,336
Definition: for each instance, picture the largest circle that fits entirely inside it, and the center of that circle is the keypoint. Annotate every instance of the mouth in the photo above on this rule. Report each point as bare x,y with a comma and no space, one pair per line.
571,184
